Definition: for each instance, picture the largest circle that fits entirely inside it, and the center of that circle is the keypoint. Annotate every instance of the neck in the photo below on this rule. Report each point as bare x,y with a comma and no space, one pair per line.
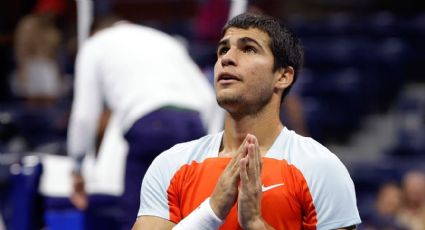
265,125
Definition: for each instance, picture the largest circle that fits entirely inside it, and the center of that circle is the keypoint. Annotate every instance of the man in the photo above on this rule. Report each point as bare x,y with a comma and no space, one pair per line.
150,84
256,174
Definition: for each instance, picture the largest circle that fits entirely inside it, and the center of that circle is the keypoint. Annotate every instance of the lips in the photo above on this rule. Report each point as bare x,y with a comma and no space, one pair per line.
227,77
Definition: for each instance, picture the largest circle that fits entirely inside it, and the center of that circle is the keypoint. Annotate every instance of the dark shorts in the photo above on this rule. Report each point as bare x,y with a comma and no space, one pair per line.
147,138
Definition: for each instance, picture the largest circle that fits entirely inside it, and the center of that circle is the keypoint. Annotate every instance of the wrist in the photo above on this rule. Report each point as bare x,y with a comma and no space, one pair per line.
201,218
77,164
256,224
218,211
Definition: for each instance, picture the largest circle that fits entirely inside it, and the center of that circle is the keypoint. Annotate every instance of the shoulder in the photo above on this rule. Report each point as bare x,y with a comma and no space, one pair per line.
168,163
308,150
106,36
319,151
328,181
315,162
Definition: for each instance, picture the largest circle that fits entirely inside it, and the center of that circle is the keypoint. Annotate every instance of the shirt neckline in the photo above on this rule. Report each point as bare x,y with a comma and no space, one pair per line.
275,145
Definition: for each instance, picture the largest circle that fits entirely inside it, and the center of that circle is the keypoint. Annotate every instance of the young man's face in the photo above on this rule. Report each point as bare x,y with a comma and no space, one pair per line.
243,74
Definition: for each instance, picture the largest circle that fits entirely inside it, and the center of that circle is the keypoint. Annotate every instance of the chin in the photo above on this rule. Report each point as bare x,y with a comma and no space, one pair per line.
229,99
230,103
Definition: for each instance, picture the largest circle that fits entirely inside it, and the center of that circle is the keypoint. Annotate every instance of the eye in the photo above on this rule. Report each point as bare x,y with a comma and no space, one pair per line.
250,49
222,50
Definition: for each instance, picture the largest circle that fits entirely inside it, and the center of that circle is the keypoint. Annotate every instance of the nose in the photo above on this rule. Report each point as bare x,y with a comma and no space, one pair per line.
229,58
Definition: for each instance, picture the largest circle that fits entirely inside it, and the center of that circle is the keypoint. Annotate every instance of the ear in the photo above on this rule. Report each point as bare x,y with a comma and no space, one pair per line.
284,77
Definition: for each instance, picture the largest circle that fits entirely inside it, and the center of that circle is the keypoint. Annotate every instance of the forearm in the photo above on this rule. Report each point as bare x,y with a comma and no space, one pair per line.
80,141
258,224
81,132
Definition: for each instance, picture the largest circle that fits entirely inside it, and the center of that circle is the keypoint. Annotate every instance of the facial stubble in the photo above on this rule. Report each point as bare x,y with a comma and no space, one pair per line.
251,104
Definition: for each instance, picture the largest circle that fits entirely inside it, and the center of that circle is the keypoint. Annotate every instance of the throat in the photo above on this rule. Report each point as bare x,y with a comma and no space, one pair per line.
232,140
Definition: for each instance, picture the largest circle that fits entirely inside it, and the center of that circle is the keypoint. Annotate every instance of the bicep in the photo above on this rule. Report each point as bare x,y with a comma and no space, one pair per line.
152,222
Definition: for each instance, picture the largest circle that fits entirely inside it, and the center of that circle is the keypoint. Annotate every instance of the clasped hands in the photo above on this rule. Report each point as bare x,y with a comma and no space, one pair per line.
241,182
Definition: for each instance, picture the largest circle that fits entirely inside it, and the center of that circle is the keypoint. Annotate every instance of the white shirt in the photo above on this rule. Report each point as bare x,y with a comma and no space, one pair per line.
134,70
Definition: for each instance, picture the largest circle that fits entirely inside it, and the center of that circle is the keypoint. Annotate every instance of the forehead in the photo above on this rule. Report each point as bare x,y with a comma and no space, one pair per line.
258,35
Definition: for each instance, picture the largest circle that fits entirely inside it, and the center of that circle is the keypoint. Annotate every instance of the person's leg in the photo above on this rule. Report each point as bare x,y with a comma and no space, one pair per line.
102,213
148,137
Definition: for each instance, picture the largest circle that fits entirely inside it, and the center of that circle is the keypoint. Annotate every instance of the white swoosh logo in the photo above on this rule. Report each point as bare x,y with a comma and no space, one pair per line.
264,188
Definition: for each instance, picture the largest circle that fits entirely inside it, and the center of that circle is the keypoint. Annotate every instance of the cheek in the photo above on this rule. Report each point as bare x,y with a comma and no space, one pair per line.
253,69
262,66
258,74
216,70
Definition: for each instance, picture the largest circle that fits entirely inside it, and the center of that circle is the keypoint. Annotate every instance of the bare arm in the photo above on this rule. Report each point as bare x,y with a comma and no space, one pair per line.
152,222
79,196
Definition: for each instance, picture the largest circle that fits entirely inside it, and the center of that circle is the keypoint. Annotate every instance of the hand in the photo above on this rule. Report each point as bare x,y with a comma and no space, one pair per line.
78,196
249,199
226,190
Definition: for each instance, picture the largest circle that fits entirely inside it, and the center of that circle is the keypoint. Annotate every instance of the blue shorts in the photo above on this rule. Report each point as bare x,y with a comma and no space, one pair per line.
147,138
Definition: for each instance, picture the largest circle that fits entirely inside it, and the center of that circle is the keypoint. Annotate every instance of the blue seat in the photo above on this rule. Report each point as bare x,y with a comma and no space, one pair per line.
333,101
67,219
26,202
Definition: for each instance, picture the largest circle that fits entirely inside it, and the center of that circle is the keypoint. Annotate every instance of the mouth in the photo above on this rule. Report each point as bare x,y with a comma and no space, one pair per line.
225,78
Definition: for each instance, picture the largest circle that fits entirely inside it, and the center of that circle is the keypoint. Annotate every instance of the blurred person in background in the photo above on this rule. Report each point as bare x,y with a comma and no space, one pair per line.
39,82
149,82
37,77
37,44
412,212
387,204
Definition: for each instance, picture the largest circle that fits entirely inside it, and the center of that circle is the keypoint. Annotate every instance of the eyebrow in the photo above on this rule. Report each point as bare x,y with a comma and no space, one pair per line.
240,40
223,42
249,40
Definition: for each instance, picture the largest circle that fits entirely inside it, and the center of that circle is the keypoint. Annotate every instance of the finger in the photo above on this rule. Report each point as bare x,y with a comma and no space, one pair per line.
242,151
258,159
247,137
238,155
252,167
233,164
243,174
256,164
231,171
250,138
255,158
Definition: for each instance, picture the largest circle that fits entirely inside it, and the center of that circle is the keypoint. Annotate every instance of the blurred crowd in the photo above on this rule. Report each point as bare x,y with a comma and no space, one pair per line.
357,64
398,205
